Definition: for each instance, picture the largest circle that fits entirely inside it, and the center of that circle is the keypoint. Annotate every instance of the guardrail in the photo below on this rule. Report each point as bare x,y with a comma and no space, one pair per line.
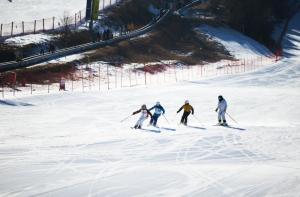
6,66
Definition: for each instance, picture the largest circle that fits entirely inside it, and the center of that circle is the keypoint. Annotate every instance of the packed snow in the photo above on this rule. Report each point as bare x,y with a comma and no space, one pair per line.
236,43
29,39
73,144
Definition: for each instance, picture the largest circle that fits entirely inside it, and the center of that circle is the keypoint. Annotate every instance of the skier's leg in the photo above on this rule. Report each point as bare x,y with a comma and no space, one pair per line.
219,117
155,118
186,117
139,122
142,119
182,119
151,121
223,117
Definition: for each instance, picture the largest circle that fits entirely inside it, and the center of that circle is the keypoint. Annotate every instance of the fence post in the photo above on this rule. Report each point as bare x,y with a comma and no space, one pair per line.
12,28
23,27
34,28
175,73
53,19
67,19
1,30
109,2
107,73
72,82
103,4
99,77
3,90
122,77
82,78
116,78
129,77
145,74
43,24
80,15
31,88
75,20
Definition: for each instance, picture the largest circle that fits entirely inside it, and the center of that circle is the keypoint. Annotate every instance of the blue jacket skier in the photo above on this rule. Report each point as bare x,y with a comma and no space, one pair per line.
158,110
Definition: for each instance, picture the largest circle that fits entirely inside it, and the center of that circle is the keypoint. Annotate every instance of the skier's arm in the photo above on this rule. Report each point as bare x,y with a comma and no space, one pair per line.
225,109
151,108
149,113
136,112
180,109
192,110
217,107
163,110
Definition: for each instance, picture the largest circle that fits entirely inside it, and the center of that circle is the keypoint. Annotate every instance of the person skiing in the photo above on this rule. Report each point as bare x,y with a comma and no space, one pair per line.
187,110
221,109
145,113
158,110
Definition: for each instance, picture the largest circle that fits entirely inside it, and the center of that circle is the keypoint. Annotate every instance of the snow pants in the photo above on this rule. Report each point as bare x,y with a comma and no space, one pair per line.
221,116
154,119
140,121
184,118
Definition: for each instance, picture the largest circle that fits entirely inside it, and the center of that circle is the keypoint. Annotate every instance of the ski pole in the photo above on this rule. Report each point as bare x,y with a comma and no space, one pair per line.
166,119
197,119
126,118
232,118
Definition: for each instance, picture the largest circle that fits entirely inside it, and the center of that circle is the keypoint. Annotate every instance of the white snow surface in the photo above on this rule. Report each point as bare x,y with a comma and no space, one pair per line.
73,144
30,10
236,43
29,39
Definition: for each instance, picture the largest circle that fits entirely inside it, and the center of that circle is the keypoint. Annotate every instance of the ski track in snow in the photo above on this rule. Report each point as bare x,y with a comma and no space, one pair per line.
73,144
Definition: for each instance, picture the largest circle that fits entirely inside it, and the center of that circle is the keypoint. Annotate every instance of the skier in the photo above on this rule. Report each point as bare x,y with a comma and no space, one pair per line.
187,109
222,107
144,115
158,110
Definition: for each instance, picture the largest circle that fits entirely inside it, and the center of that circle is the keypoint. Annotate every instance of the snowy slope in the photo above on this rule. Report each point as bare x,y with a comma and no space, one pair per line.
284,73
30,10
236,43
73,144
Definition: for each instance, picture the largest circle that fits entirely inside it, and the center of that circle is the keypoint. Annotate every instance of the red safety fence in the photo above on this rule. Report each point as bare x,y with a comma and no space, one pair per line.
104,76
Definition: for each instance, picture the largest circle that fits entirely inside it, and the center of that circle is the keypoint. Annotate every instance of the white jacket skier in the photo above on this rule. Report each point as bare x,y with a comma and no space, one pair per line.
145,113
221,109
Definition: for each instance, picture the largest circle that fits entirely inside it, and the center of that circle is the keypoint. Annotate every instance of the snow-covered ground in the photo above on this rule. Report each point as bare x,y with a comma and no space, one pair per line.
30,10
238,44
73,144
29,39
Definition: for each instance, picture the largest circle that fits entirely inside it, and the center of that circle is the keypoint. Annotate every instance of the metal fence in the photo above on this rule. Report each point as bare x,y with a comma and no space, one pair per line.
46,24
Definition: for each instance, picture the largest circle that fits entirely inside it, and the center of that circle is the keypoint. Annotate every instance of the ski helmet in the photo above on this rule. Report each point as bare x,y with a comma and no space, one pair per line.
220,97
186,102
157,103
144,106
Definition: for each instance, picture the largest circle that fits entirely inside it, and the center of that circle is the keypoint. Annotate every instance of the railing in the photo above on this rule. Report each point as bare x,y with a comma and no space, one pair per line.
80,48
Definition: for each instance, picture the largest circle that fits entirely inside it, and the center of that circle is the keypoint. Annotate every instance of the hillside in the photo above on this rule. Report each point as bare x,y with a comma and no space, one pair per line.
73,144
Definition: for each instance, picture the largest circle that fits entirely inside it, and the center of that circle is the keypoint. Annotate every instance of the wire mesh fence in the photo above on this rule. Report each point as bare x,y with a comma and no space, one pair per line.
104,77
46,24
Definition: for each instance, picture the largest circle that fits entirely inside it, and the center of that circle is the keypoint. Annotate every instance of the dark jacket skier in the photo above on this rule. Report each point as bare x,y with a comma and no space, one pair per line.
158,110
187,110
